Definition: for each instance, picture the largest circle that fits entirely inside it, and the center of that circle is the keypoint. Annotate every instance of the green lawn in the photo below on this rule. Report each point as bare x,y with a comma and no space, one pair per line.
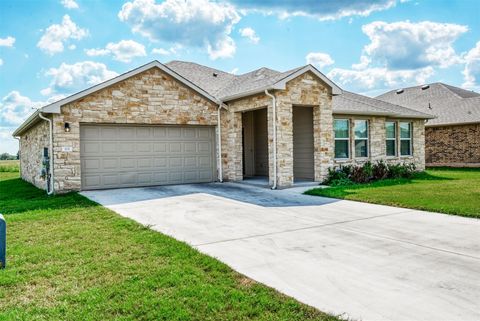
71,259
451,191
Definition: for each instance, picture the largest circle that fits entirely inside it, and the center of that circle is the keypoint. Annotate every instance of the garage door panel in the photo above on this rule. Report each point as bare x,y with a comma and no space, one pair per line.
160,132
127,156
174,147
127,163
126,147
204,147
145,178
161,162
190,147
176,162
174,132
204,133
125,133
190,161
160,147
144,163
109,147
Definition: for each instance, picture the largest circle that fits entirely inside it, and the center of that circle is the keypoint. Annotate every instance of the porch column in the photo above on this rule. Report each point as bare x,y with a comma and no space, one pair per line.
284,142
323,138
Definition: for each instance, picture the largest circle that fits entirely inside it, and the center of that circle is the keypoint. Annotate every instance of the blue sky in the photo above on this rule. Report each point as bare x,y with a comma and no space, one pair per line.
50,49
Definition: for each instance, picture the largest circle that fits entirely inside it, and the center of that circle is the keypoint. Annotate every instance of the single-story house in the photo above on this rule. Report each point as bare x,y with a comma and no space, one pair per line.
453,137
182,122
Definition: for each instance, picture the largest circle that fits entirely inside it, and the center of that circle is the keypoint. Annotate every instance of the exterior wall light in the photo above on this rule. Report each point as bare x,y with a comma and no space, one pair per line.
67,127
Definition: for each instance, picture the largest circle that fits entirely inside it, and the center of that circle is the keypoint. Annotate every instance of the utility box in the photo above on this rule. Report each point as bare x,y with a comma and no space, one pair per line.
3,242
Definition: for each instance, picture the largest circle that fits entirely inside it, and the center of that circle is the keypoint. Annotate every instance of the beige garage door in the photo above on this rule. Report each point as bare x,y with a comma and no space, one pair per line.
126,156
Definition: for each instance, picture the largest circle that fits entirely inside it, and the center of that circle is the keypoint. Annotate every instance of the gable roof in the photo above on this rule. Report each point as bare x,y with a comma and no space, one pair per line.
55,107
451,105
355,104
227,86
220,86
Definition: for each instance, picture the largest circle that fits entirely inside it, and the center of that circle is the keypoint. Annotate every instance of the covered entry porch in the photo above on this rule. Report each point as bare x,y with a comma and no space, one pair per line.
256,165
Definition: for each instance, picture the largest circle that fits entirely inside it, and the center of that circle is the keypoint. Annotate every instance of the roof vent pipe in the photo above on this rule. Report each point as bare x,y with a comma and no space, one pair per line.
425,87
400,91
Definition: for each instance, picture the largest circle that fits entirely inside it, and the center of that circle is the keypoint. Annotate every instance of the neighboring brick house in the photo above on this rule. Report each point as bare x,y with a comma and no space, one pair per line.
453,137
158,125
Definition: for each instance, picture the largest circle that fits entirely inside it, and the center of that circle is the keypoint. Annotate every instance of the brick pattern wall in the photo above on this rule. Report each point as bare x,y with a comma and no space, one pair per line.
31,153
457,145
377,142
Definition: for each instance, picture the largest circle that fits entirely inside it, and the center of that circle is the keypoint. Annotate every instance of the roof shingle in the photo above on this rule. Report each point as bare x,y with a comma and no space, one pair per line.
450,105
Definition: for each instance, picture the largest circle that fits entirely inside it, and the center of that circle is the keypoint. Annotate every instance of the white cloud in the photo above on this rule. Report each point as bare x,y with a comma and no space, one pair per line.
7,42
67,79
160,51
7,143
124,50
400,54
407,45
323,10
69,4
56,35
1,61
379,77
471,72
199,23
319,59
234,71
250,34
15,109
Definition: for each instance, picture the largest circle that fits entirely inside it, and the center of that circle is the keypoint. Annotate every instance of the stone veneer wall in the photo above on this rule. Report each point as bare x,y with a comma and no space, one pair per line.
32,144
377,142
305,90
151,97
455,145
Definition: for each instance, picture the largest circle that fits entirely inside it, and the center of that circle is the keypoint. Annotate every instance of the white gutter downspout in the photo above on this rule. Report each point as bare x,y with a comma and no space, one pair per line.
274,125
219,142
50,190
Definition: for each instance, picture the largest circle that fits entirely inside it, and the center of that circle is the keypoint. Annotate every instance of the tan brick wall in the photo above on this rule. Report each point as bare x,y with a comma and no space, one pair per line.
377,142
305,90
457,145
32,143
151,97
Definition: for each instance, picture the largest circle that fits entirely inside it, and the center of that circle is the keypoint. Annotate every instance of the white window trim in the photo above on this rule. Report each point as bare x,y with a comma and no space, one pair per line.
394,139
347,139
366,139
410,139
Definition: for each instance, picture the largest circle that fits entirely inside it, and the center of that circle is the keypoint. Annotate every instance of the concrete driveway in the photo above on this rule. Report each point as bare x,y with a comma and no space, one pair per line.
364,261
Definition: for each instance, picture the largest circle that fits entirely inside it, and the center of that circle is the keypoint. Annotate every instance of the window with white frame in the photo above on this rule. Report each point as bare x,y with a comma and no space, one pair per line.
405,138
391,138
341,128
361,138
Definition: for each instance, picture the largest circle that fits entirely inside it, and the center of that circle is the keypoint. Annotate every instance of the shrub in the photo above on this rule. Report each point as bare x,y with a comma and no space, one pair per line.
341,182
360,174
401,170
338,174
379,170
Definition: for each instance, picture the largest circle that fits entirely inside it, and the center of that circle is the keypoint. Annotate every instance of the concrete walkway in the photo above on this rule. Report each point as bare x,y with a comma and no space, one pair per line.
365,261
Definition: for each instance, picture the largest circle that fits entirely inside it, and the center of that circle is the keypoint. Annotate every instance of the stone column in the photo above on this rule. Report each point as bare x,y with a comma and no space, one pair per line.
323,138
